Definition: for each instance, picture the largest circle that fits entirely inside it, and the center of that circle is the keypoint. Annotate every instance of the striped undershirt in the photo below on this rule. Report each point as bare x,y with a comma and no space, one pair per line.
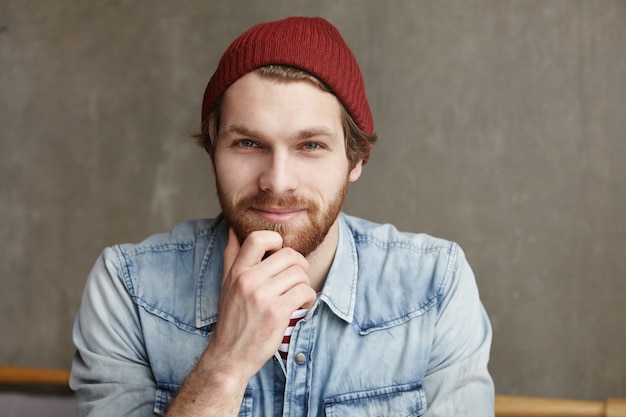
296,316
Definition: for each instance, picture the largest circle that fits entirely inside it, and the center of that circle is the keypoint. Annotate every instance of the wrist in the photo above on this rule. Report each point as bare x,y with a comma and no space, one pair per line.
210,391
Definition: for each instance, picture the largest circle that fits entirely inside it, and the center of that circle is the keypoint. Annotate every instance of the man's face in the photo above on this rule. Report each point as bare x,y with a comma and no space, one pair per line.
280,160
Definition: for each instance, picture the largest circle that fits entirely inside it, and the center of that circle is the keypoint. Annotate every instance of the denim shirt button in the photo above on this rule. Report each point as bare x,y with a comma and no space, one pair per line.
300,358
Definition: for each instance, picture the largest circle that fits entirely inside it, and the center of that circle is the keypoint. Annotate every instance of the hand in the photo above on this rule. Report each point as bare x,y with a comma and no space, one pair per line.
257,299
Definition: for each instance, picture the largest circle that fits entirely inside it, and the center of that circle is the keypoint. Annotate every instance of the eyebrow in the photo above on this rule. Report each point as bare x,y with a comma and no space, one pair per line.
241,130
255,134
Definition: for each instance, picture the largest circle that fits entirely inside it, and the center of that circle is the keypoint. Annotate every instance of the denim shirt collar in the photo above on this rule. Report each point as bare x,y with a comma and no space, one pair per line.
339,291
210,275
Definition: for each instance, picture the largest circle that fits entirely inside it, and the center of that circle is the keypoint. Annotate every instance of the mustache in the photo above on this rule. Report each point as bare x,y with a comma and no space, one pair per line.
266,200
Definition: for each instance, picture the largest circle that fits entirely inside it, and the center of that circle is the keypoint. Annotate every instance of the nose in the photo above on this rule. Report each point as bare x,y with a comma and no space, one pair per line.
279,175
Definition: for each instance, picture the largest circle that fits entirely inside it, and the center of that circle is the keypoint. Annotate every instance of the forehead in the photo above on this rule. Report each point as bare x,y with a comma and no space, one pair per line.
279,105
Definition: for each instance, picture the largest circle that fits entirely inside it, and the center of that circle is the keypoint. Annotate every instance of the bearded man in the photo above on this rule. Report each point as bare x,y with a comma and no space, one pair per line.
283,305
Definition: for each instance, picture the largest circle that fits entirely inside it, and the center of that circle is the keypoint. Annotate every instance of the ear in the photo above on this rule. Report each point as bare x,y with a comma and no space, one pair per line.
212,159
355,172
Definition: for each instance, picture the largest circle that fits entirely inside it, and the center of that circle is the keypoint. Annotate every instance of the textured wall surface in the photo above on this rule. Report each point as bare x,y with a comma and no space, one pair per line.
502,126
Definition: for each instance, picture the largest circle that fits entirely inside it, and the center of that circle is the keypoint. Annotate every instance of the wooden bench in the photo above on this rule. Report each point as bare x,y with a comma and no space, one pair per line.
511,406
15,375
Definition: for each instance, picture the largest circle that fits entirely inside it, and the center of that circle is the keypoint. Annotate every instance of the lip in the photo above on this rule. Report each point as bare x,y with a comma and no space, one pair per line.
278,214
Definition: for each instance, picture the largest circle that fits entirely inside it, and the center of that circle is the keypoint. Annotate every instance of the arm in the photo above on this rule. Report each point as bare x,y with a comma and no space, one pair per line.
458,382
110,371
257,299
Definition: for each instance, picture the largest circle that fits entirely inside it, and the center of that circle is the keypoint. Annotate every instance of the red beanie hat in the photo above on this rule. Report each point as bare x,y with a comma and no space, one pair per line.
311,44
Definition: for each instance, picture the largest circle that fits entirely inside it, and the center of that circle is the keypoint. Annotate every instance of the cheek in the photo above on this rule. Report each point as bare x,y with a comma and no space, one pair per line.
329,186
227,187
230,175
237,185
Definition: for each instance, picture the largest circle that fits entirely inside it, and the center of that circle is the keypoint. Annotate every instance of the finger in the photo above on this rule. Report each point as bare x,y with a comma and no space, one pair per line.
282,260
300,296
256,245
281,282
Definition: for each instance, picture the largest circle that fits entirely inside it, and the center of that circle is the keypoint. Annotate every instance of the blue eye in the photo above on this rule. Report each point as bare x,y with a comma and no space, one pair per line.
311,146
246,143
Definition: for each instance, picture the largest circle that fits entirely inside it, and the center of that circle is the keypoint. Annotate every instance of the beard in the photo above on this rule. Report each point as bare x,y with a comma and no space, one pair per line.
302,237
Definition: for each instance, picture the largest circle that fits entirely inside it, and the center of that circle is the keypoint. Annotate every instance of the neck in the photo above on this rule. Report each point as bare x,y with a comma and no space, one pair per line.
321,259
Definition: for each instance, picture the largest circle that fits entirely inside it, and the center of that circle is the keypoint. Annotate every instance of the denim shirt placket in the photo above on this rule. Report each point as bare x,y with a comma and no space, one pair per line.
300,363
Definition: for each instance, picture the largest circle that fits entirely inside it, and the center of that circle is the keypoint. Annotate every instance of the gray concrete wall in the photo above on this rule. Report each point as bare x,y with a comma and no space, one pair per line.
502,126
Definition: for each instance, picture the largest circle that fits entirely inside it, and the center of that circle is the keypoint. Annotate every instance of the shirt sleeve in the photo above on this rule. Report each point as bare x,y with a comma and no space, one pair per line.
110,371
458,382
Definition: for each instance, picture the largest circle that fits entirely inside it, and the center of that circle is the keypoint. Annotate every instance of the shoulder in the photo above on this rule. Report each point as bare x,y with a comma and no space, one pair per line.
182,237
386,237
165,273
412,271
173,260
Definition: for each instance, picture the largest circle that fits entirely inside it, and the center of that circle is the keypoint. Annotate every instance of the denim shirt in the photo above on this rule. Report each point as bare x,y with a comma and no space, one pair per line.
398,329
